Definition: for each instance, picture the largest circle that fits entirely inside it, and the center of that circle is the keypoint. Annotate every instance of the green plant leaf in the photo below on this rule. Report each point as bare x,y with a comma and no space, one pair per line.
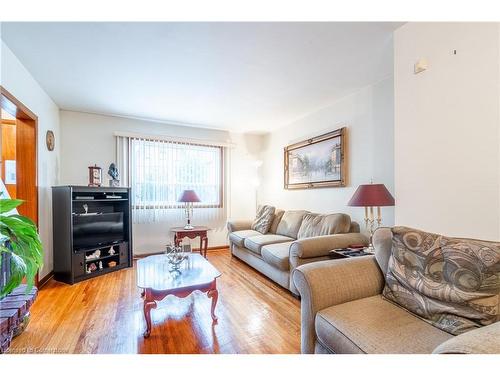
19,238
7,205
17,272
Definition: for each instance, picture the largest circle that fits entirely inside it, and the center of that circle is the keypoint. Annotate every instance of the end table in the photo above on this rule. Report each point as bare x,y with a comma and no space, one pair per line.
180,233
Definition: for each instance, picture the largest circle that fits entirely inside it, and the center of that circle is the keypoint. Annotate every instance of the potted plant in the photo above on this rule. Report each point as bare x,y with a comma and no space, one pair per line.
20,244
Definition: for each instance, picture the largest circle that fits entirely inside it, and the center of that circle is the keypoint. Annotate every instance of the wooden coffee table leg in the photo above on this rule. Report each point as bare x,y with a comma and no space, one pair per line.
205,246
214,295
149,304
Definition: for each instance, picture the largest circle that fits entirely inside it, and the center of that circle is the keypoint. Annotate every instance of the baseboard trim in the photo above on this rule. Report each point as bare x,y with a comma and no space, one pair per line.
210,249
44,280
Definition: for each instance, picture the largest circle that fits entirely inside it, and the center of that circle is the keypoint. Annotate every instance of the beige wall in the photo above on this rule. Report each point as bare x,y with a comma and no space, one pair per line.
88,139
368,115
447,166
19,82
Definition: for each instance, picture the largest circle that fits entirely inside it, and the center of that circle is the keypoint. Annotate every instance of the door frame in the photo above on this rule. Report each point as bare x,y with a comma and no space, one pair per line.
27,140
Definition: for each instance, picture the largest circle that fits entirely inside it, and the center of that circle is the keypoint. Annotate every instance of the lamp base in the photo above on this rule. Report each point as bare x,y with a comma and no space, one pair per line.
188,226
370,249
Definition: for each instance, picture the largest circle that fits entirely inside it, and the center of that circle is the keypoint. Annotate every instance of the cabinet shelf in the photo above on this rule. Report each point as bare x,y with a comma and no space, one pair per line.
101,200
101,258
99,272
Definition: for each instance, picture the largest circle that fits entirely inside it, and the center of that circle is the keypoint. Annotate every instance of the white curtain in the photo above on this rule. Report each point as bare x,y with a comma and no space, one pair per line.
158,171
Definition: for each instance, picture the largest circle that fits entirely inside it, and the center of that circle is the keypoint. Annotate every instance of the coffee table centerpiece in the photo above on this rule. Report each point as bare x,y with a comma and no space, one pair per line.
175,256
157,280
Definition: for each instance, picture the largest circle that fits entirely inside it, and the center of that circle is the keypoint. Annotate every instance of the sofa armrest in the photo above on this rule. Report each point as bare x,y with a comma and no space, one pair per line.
235,225
484,340
320,246
332,282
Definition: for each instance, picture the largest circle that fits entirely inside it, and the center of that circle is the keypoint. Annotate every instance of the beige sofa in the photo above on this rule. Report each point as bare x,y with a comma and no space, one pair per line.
342,311
295,238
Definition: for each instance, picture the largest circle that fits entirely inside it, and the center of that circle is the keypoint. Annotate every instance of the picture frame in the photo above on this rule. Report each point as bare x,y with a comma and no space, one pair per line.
317,162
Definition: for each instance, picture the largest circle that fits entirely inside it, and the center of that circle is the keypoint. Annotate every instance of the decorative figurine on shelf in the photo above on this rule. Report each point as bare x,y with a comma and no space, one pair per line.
100,265
112,264
112,251
92,267
95,255
95,176
114,174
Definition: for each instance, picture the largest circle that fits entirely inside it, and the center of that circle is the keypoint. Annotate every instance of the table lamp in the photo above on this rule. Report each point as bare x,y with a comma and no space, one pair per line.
369,196
189,197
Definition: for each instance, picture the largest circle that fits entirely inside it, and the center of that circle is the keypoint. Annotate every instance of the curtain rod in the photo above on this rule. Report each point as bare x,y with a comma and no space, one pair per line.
174,139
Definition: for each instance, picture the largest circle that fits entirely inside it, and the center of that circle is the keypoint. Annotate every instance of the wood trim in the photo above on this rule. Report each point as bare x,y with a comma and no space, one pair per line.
8,122
44,280
26,154
14,106
26,160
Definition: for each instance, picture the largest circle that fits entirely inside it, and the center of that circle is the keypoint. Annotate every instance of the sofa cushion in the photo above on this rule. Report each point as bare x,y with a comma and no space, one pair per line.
278,214
452,283
321,225
277,255
263,219
374,325
290,223
239,236
255,243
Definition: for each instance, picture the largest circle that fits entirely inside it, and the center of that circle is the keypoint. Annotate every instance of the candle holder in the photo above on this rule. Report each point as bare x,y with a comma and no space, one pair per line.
369,196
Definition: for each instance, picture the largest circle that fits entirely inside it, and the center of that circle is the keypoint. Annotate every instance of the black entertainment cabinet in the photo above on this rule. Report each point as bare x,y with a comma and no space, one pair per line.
92,231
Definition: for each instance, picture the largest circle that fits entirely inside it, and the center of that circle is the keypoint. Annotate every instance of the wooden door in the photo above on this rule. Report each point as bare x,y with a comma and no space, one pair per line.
20,146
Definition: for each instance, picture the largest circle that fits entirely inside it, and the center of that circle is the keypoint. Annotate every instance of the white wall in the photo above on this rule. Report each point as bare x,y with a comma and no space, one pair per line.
19,82
368,116
88,139
447,167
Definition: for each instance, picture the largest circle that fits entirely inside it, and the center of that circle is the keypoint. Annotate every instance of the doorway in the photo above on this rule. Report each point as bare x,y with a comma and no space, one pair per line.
18,153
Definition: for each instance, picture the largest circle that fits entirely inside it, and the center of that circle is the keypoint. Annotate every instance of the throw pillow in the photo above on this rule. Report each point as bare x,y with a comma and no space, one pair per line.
264,219
322,225
278,214
452,283
290,223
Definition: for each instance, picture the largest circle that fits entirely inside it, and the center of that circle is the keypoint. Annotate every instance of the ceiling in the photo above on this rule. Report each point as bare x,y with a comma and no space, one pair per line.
234,76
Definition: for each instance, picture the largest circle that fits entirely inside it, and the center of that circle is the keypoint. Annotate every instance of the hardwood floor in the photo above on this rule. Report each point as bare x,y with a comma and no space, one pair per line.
104,315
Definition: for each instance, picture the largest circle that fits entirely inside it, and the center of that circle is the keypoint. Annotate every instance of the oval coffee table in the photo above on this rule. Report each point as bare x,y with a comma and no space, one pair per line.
155,278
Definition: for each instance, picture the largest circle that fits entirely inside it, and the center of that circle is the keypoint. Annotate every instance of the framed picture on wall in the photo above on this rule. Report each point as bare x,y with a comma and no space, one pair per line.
316,162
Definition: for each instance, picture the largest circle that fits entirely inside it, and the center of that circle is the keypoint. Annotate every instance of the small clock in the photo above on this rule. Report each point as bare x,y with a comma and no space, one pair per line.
95,176
50,139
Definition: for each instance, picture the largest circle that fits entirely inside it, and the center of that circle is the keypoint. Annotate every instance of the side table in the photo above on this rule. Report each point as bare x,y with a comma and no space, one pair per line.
180,233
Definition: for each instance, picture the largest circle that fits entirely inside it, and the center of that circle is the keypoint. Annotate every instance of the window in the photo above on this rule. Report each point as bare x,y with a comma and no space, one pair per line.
161,170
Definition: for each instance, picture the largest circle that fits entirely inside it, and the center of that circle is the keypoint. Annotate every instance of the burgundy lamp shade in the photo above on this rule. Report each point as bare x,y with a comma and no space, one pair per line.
371,195
189,196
